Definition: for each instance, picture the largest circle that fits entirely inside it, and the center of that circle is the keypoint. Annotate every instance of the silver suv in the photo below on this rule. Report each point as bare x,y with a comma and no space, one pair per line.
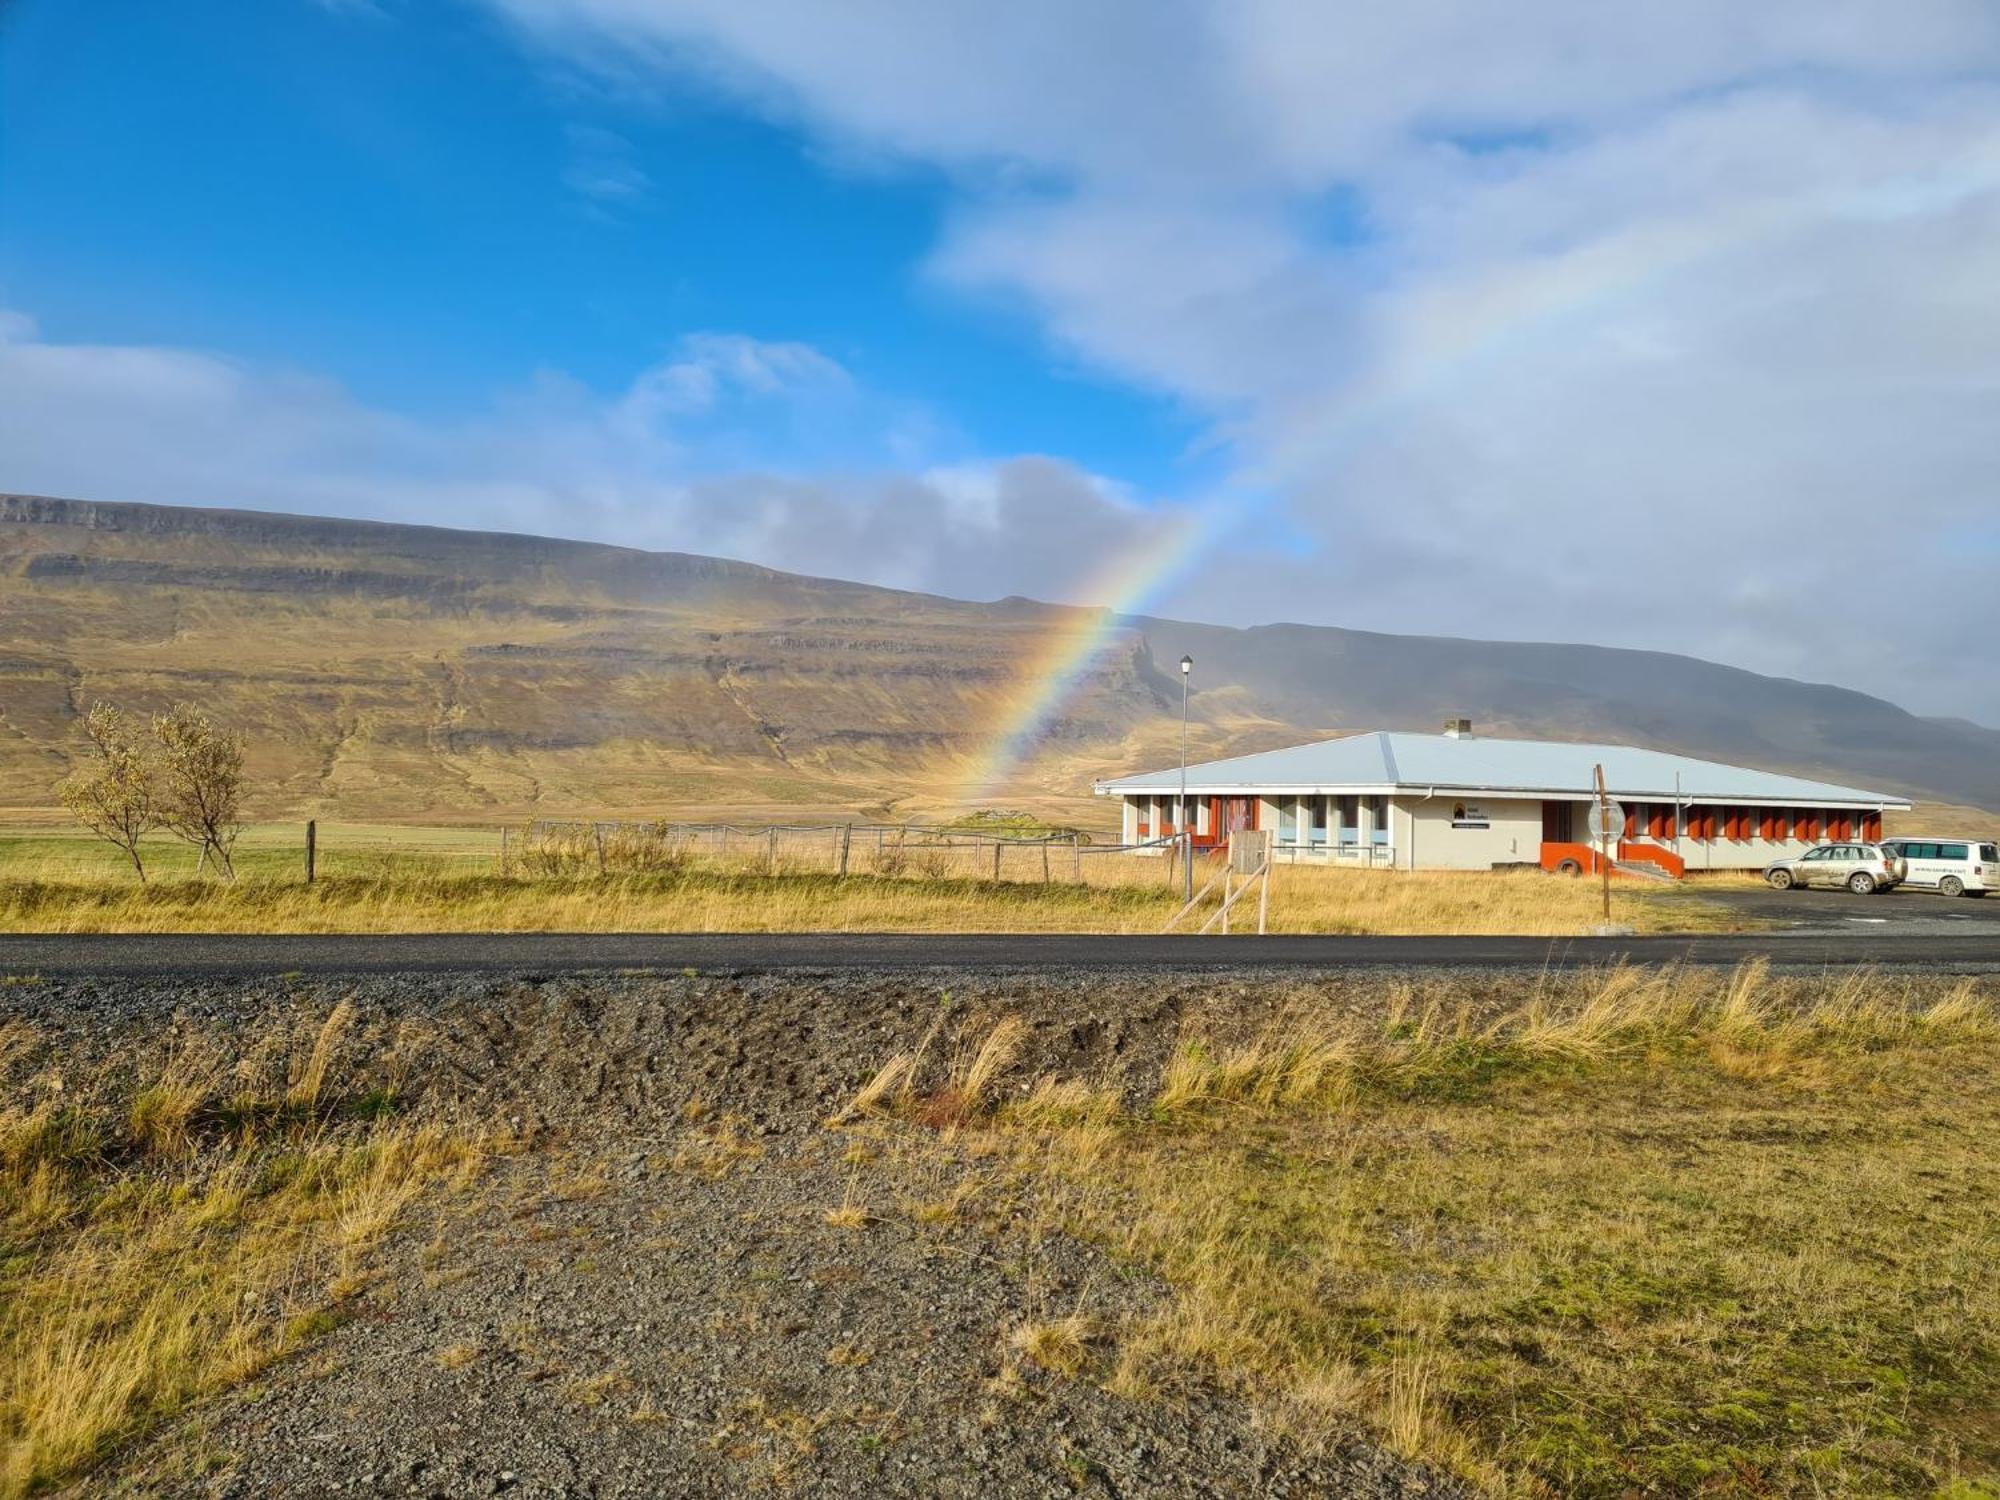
1862,868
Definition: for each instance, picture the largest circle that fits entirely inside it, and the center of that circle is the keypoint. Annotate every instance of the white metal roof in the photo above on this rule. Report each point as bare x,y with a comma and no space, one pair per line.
1387,761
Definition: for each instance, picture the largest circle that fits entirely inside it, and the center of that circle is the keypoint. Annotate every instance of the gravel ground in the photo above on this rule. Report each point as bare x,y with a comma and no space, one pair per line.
649,1300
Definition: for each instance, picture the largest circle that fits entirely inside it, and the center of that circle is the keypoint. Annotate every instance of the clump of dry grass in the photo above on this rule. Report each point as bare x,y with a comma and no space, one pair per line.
156,1256
852,1212
1060,1345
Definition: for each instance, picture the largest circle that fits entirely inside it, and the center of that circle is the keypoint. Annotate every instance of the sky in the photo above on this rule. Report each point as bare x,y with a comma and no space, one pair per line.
1662,326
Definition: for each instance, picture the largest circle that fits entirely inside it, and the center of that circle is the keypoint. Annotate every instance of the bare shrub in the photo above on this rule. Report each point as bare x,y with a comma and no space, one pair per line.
115,796
890,858
201,783
569,849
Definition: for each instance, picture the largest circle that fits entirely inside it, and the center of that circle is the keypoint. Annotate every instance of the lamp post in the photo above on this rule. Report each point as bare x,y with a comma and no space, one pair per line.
1187,829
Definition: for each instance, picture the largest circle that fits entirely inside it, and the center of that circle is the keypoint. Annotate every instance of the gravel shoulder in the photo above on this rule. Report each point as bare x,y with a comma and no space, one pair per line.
647,1298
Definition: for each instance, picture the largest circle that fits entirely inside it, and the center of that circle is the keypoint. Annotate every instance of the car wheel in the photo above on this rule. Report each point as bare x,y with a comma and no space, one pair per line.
1951,885
1861,883
1568,867
1781,880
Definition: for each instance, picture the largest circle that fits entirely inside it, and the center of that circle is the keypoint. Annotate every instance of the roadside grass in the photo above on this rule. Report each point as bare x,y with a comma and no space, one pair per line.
165,1237
1650,1233
408,892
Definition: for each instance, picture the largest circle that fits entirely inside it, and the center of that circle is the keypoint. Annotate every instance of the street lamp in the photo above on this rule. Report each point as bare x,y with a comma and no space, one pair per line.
1187,830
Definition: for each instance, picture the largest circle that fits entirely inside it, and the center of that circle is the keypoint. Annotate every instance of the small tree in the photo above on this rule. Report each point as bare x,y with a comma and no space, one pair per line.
201,783
115,796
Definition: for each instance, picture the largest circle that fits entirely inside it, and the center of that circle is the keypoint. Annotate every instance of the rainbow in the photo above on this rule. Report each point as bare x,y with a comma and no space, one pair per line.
1069,650
1440,339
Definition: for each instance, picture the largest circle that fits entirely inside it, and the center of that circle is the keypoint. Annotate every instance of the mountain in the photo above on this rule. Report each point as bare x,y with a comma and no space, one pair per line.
390,671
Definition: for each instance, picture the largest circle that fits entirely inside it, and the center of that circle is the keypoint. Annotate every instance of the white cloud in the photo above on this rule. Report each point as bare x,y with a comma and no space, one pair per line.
658,464
1651,325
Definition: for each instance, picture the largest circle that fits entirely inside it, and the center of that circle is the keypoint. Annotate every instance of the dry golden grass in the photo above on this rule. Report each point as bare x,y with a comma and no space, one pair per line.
1119,894
1647,1232
162,1247
1060,1346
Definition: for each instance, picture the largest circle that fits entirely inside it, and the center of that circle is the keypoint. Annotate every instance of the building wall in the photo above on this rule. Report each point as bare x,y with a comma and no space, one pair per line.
1423,836
1427,836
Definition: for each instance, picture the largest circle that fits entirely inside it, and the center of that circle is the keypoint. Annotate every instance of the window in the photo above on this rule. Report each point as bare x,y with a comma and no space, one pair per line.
1350,819
1954,851
1144,815
1990,853
1919,851
1318,819
1288,820
1818,854
1378,816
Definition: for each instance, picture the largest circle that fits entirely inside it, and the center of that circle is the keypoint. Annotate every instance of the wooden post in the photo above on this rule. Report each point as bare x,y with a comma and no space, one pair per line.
312,847
996,860
503,850
1045,861
1076,857
1227,880
846,839
597,832
1264,895
771,852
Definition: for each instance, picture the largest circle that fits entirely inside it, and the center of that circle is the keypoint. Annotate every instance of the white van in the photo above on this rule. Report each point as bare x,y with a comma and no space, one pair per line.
1956,867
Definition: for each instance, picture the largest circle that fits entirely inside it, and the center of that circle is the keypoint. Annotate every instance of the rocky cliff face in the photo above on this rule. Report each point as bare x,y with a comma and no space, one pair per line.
401,671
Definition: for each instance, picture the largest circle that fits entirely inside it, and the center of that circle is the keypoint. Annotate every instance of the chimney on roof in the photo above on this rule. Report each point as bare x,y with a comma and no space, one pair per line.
1458,729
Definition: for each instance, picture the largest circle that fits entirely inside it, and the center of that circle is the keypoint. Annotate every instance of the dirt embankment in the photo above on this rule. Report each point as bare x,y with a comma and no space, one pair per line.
683,1283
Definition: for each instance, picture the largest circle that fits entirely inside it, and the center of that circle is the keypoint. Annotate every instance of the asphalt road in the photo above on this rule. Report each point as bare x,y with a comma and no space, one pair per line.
1962,950
1902,910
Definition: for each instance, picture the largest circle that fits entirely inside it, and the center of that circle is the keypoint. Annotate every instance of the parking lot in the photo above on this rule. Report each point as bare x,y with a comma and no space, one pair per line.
1899,910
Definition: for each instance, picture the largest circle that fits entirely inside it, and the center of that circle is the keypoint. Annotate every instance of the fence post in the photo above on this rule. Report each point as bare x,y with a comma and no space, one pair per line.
1076,857
597,832
1045,861
503,850
771,852
312,846
846,838
996,860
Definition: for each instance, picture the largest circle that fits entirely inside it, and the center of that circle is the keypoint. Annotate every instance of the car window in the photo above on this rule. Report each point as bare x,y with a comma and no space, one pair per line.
1990,853
1920,851
1954,851
1818,853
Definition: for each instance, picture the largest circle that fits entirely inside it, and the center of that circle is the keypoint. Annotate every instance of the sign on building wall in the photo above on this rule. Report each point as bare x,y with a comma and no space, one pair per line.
1469,815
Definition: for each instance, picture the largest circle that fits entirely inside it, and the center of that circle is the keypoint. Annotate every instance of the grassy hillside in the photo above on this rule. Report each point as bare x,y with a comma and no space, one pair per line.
413,673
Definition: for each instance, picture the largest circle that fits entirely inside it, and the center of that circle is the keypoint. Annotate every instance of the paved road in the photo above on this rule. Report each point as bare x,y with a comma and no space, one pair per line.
1966,951
1902,910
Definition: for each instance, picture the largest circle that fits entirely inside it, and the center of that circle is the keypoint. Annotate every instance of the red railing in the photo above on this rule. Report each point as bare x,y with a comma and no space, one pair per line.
1584,858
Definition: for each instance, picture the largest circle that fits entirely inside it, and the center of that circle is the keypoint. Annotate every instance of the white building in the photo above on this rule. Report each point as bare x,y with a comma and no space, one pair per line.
1455,801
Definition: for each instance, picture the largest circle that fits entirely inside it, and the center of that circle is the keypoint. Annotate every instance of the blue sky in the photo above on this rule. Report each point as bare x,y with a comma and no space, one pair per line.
407,200
1410,316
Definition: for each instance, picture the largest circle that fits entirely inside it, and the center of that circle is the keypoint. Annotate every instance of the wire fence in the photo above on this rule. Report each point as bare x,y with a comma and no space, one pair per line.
582,847
906,850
